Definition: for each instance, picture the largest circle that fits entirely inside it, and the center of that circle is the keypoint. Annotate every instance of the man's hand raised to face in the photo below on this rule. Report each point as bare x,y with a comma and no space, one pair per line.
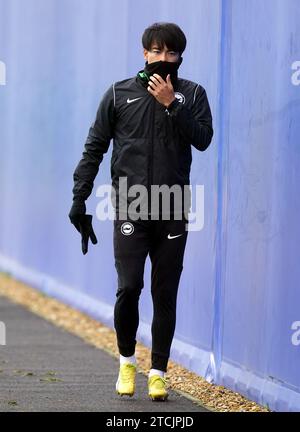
162,90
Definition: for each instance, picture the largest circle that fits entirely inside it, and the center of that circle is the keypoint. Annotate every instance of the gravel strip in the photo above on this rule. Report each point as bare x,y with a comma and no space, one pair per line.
193,386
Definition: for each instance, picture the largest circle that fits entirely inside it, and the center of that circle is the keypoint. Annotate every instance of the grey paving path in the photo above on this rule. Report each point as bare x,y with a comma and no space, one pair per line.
44,368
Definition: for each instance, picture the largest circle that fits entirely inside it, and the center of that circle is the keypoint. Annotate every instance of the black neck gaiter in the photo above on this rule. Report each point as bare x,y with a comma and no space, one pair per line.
162,68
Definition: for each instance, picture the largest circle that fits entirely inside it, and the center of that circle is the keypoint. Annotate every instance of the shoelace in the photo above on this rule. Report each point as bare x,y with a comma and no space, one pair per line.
159,382
126,373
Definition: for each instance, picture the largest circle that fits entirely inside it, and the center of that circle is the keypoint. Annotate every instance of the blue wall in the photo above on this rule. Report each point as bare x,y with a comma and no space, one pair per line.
238,303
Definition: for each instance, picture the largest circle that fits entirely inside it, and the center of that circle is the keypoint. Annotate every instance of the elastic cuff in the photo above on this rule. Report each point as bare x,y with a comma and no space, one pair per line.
159,362
172,106
126,352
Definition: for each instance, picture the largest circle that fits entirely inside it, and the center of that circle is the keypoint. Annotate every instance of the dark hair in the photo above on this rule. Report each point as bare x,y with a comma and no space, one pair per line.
164,33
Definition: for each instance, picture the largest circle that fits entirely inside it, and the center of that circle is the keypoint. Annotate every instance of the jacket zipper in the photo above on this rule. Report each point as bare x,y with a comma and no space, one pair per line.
150,175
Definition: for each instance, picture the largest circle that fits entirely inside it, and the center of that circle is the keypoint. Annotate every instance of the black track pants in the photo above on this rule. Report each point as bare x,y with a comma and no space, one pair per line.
165,242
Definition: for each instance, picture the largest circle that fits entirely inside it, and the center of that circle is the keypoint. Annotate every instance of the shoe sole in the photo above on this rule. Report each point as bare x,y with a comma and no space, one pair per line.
124,394
159,398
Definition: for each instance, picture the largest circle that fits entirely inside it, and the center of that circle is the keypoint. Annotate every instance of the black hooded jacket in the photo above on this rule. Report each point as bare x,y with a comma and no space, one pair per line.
151,143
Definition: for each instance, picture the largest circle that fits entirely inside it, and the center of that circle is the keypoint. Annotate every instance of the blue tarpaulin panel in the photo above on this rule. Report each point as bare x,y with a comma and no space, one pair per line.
238,313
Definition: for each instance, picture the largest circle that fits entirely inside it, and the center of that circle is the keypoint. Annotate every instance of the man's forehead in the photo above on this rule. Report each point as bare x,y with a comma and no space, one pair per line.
155,45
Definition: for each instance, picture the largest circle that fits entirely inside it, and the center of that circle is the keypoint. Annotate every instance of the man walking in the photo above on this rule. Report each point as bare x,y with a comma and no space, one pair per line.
153,118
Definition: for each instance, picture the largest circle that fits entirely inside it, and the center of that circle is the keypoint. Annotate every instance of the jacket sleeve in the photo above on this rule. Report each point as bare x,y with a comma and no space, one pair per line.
195,124
97,143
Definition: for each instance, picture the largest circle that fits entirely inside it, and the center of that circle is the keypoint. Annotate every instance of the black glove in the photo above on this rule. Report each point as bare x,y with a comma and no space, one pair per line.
83,224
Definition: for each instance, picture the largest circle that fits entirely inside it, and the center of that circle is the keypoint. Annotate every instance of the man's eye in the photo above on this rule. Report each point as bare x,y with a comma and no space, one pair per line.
172,53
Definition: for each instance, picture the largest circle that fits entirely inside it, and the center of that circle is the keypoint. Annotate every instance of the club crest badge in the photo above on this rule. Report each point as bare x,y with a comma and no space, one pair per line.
127,228
180,97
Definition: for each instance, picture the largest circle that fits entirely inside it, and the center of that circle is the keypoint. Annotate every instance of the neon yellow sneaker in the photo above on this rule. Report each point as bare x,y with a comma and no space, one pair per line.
125,384
157,388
